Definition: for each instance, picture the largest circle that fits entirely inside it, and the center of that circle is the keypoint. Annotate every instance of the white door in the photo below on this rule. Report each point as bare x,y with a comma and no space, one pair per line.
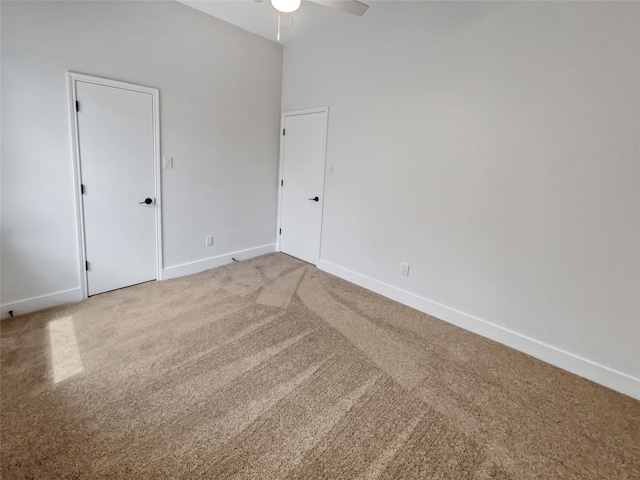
115,129
302,183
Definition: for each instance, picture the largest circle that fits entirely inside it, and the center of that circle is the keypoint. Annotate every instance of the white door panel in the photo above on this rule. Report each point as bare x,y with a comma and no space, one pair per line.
116,149
303,161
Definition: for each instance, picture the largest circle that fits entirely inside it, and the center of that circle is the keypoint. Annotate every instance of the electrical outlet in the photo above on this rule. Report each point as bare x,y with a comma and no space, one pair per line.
208,240
404,269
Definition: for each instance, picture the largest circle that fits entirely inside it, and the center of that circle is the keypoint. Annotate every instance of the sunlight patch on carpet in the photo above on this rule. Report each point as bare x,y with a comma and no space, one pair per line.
65,354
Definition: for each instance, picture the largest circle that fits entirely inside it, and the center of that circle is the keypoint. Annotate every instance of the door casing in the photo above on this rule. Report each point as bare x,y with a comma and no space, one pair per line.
325,110
155,94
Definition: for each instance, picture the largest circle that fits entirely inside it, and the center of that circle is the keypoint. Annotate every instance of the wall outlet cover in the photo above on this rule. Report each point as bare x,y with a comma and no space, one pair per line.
404,269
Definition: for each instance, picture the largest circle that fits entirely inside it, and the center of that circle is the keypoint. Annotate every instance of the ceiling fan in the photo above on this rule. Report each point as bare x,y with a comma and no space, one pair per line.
350,6
290,6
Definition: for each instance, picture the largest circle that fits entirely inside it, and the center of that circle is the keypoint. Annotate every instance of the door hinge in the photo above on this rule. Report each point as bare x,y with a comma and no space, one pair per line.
284,132
280,232
282,183
86,266
82,188
77,106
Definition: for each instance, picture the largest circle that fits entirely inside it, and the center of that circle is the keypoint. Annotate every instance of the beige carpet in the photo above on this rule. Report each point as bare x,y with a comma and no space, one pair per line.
270,369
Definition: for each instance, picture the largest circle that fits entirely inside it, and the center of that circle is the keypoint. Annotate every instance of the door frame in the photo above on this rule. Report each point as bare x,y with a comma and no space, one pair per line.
73,78
294,113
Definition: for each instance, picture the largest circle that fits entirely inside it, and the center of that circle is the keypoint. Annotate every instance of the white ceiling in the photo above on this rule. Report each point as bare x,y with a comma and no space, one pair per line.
260,17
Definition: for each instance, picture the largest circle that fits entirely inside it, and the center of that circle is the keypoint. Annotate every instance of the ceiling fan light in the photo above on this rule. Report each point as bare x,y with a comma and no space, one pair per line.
286,6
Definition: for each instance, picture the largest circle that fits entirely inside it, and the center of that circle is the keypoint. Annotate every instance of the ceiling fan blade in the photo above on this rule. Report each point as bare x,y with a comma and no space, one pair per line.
350,6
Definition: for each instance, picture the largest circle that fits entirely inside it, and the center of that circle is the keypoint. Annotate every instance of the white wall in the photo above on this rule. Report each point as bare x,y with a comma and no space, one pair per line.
495,147
220,107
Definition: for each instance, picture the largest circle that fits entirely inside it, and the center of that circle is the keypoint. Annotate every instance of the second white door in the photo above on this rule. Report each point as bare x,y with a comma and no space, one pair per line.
302,183
116,149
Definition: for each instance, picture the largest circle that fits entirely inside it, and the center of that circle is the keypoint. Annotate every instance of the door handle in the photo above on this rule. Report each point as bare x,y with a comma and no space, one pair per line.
147,201
315,199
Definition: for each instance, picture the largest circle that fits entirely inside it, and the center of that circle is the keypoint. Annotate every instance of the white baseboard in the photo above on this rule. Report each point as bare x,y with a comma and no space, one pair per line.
213,262
39,303
75,294
583,367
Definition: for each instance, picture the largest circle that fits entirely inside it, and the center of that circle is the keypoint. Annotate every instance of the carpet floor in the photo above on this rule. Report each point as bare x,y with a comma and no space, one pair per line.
272,369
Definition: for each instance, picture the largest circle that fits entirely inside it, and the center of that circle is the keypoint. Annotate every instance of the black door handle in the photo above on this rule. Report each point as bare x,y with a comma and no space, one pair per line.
148,201
315,199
